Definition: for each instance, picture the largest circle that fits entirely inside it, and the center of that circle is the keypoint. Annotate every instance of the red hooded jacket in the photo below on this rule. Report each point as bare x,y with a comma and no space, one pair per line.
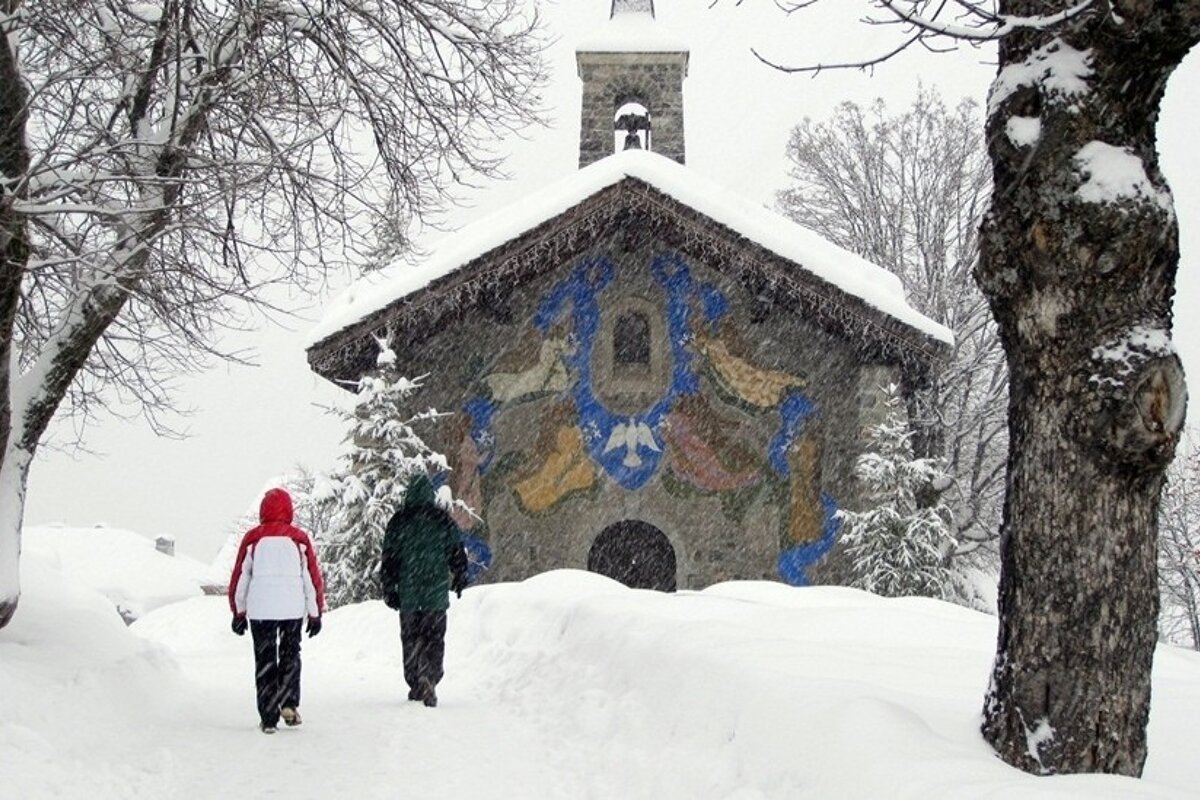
276,575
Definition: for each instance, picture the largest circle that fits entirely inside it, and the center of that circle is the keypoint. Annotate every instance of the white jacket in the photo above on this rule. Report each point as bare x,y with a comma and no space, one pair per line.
276,575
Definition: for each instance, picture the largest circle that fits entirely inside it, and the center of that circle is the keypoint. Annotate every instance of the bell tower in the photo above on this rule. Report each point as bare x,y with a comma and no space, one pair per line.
632,86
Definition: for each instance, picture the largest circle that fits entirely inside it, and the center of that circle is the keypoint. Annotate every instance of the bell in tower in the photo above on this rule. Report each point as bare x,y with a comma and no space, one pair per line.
632,75
635,121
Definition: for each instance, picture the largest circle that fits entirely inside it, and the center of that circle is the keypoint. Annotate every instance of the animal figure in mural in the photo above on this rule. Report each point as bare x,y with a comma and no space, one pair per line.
547,373
579,437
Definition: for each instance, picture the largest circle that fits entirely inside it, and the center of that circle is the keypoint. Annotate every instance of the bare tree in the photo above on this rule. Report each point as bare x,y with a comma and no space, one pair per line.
907,191
163,162
1179,551
1078,258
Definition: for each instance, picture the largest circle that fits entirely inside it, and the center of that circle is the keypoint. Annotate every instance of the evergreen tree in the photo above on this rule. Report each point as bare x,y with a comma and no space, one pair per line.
899,546
366,488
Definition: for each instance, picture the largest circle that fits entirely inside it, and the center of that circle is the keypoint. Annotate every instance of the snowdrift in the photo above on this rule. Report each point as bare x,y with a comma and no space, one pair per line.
567,685
122,565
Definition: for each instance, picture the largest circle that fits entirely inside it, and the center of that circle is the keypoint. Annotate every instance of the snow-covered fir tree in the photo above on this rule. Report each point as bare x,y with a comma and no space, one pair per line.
383,450
898,545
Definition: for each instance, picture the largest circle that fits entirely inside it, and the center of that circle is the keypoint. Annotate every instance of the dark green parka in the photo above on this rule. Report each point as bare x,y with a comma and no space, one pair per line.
423,556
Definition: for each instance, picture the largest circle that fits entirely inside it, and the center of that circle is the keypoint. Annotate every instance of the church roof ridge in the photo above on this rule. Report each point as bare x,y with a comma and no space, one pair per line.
786,239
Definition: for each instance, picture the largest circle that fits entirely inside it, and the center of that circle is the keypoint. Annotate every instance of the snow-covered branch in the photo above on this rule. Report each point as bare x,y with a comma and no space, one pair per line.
982,24
938,25
166,163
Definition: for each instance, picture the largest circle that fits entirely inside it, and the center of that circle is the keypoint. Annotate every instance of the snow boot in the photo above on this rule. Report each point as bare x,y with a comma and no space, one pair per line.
291,716
265,728
414,694
428,695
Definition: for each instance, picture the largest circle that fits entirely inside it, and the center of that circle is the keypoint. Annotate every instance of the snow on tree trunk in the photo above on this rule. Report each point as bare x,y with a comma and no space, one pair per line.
14,255
1078,262
13,472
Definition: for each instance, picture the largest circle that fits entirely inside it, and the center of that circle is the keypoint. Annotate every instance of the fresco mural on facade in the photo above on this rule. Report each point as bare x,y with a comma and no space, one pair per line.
703,447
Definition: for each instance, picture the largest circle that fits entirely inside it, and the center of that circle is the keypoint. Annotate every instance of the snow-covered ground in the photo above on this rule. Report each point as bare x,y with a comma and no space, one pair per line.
564,686
122,565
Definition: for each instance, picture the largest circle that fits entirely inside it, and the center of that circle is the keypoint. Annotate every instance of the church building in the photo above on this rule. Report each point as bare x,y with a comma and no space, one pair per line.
651,379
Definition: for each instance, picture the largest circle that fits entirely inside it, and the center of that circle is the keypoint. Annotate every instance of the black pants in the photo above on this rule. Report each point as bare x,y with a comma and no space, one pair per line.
423,640
276,665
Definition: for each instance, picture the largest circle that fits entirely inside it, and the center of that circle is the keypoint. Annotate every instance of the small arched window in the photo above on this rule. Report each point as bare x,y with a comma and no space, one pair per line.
631,340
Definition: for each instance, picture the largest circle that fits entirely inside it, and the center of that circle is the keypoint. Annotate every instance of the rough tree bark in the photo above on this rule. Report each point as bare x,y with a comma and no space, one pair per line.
1078,262
1078,258
14,253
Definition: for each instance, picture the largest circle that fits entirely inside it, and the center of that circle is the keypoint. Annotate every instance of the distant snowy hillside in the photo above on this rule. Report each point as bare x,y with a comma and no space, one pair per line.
123,566
564,686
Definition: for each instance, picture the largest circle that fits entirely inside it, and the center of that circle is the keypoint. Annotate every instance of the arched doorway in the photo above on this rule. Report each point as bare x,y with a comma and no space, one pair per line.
635,553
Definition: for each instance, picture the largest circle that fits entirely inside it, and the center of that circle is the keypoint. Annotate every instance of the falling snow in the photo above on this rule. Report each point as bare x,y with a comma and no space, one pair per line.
567,685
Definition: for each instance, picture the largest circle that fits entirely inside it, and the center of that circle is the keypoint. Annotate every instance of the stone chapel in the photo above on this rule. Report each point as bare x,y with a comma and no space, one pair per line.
651,379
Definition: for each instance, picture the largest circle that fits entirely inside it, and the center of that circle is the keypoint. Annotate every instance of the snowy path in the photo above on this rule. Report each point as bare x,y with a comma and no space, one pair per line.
567,686
483,740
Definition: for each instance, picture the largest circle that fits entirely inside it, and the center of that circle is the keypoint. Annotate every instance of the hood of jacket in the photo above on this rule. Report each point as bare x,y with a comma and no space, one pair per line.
420,492
276,506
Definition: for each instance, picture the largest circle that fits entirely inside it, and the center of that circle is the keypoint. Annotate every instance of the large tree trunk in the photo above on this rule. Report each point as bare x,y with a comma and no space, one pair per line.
14,255
14,471
1080,275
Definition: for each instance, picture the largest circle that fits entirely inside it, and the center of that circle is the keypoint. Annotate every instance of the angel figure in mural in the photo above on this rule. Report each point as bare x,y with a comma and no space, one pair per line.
756,386
558,465
708,450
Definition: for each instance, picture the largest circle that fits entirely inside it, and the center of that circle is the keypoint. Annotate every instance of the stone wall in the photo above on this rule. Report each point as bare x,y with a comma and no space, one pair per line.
655,80
727,485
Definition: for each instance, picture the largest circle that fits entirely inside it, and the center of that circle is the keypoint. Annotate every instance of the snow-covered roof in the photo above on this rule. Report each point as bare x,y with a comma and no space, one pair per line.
851,273
122,565
631,33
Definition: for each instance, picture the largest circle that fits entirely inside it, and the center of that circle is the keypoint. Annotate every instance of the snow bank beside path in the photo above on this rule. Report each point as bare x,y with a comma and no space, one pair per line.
755,690
566,685
77,690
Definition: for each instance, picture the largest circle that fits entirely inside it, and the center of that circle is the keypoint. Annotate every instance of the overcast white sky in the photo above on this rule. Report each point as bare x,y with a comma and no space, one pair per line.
251,424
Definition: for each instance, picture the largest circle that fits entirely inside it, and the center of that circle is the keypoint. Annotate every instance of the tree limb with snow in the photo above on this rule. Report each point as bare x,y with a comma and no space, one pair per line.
163,165
1078,256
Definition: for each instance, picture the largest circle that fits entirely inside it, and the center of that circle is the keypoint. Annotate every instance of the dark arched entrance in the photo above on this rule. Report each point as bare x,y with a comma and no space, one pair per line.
635,553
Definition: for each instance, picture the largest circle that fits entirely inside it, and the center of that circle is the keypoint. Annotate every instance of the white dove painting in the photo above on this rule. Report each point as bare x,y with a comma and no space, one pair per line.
631,435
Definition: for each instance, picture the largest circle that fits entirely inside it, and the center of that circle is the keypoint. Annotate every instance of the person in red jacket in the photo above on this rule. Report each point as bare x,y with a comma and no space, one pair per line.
276,584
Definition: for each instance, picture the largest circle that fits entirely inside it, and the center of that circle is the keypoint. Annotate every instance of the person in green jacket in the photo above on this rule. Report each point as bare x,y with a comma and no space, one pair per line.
423,560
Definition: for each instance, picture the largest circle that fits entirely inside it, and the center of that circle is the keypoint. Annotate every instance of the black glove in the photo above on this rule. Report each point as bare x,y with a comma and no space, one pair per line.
238,625
392,601
314,626
458,584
